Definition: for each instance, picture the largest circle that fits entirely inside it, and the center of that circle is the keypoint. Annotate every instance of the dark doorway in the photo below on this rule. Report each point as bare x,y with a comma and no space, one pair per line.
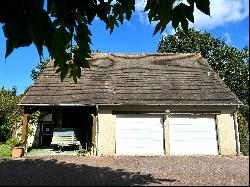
80,119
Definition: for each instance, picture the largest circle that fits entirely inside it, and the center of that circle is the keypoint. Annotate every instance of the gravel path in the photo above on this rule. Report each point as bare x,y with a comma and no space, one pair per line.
96,171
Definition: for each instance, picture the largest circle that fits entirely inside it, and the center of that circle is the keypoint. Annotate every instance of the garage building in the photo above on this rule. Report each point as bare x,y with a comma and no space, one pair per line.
141,104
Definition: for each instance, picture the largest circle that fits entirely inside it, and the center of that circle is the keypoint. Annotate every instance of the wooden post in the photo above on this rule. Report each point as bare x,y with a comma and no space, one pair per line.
24,136
94,131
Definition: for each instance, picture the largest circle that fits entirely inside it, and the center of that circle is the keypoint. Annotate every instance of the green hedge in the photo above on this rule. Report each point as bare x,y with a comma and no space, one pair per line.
244,134
5,130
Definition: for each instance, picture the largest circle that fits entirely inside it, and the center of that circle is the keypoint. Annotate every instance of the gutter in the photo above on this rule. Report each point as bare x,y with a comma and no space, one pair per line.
124,104
236,133
175,104
60,104
97,131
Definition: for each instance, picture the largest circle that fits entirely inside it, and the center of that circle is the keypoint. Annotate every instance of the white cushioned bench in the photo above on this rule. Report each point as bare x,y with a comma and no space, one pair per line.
64,137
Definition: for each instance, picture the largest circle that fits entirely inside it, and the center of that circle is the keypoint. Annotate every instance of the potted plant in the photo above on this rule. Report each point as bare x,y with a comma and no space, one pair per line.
17,147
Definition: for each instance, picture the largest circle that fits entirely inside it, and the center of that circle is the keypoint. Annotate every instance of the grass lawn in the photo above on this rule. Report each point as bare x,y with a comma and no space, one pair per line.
5,151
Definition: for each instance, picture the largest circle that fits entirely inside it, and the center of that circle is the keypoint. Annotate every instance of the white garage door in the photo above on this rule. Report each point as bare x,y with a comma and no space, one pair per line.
139,135
192,135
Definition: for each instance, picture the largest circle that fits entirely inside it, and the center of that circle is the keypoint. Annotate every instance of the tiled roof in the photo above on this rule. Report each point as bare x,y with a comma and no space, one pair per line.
135,79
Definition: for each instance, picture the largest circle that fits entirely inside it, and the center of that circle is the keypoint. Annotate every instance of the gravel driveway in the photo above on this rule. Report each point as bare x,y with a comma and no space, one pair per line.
162,170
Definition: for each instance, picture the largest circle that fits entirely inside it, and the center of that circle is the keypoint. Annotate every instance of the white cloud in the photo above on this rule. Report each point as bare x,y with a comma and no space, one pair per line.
142,16
227,37
143,19
222,13
140,5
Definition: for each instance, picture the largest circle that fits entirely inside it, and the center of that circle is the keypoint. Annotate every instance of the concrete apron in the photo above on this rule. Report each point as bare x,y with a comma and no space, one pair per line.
50,152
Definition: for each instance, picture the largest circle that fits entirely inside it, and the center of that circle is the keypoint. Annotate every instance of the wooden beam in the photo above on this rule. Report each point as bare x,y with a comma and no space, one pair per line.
24,136
94,131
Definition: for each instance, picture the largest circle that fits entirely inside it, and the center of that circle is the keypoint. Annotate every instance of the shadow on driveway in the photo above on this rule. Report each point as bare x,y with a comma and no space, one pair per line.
51,172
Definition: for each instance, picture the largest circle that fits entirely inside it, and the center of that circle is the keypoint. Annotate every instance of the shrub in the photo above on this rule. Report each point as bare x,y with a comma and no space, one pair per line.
5,129
5,151
10,112
15,142
243,133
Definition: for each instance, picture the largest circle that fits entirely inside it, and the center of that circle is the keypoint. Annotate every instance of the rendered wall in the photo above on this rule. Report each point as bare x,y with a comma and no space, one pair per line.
107,128
226,134
106,133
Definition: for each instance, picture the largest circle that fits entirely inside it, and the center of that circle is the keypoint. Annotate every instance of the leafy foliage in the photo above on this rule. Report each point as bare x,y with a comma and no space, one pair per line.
34,119
176,11
10,113
244,134
38,69
15,142
231,64
5,151
61,22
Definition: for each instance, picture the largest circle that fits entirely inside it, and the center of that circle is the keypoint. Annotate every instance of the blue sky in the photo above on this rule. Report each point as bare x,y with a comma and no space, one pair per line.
230,21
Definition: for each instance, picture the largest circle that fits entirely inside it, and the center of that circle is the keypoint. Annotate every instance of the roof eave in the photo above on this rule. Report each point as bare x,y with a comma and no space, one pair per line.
119,104
59,104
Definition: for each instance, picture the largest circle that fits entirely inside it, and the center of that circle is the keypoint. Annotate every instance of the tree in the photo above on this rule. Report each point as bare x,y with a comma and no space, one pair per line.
10,113
62,21
35,72
231,64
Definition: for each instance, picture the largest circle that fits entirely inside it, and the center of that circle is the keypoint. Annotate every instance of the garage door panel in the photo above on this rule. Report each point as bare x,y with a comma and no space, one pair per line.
144,142
133,121
149,147
141,151
135,141
194,151
192,135
192,127
190,145
150,128
185,144
135,125
191,120
139,134
137,118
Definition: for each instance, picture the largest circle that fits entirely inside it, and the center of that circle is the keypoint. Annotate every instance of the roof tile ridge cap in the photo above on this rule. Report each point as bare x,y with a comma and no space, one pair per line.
200,59
49,63
177,53
97,54
175,57
145,55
